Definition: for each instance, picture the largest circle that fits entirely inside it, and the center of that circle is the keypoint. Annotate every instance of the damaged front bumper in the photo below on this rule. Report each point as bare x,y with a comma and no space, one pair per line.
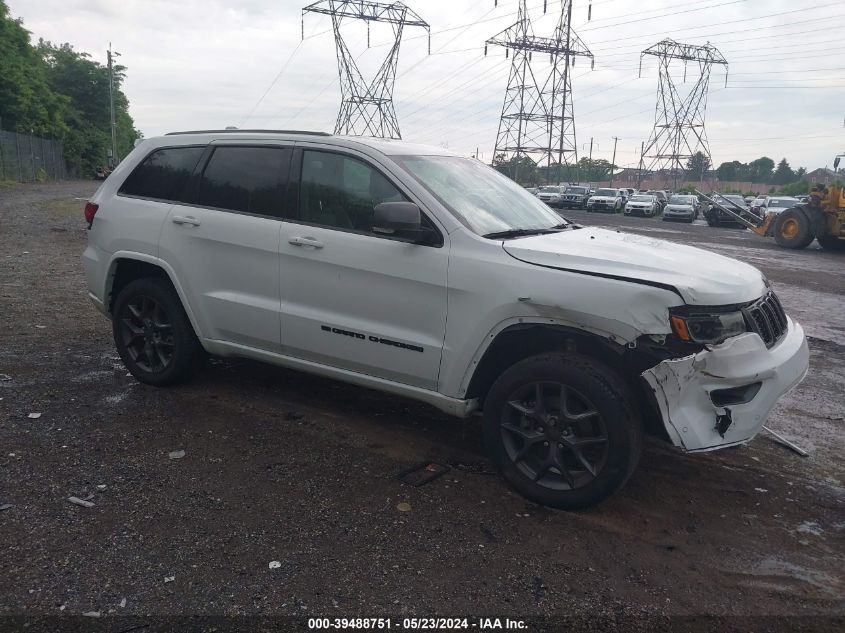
722,396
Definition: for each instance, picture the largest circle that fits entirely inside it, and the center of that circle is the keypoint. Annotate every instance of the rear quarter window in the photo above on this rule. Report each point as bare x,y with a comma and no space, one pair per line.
163,175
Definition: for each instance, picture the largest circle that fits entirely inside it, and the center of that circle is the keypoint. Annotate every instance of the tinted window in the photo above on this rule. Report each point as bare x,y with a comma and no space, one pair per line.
341,192
164,174
246,179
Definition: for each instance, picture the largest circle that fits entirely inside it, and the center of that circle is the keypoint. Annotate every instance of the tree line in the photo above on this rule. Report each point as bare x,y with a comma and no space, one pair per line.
56,92
762,171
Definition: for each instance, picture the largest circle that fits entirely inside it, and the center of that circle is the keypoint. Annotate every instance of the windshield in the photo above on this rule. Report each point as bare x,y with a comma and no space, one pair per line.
737,199
550,190
642,199
486,201
610,193
782,203
576,190
684,200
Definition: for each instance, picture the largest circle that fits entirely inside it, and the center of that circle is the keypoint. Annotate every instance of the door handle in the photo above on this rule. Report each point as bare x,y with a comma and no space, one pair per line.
305,241
185,219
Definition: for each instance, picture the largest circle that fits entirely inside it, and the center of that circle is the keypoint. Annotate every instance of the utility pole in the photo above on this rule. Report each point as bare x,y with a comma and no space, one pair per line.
537,114
678,131
114,158
366,107
640,167
613,162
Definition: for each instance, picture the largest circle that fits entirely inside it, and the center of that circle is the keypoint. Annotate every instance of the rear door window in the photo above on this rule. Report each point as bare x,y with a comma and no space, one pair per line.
246,179
163,175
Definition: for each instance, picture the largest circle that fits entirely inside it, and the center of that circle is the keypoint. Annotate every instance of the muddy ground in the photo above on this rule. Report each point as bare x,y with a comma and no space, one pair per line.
281,466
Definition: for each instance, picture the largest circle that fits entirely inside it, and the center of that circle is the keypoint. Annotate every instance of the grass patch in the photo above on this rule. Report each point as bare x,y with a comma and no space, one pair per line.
65,207
5,184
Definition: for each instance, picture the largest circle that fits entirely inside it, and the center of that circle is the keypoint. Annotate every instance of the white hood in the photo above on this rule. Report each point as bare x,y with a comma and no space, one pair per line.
701,277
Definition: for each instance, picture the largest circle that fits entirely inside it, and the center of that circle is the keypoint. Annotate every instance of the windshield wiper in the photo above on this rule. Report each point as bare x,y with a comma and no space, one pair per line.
510,233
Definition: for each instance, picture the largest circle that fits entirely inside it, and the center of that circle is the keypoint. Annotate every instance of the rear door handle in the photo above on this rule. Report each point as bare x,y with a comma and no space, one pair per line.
185,219
305,241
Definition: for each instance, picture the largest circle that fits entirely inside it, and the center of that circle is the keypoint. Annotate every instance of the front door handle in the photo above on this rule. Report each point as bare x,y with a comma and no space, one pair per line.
305,241
185,219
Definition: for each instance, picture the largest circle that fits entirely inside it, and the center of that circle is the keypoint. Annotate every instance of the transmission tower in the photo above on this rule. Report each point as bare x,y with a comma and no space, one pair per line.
537,115
679,121
366,109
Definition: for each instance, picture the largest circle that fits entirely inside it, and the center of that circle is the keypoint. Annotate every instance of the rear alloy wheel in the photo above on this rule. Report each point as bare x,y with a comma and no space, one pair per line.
831,243
792,229
153,335
562,430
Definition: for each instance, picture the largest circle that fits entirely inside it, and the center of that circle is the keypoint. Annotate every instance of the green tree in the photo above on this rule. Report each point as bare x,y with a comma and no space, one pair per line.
27,104
731,171
518,168
86,85
760,170
57,92
783,174
697,166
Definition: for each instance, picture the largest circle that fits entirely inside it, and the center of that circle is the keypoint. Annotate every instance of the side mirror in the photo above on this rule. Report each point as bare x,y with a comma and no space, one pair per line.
398,219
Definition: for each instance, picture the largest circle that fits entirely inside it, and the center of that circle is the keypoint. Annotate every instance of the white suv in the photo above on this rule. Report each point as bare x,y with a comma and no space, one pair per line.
411,270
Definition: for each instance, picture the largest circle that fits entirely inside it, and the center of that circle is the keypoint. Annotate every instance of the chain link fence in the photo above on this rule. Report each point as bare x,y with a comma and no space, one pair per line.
27,158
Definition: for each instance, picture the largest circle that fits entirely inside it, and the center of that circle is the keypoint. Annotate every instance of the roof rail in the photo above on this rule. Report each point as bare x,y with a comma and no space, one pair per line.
235,131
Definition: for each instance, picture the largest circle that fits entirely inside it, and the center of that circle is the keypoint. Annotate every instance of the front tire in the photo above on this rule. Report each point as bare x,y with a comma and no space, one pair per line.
153,335
792,229
562,429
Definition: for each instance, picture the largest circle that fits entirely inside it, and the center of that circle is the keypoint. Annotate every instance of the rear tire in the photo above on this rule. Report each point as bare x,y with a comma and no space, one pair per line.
792,229
831,242
153,335
563,430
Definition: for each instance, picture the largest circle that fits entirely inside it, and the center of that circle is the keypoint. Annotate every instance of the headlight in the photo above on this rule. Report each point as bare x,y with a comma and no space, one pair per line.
708,328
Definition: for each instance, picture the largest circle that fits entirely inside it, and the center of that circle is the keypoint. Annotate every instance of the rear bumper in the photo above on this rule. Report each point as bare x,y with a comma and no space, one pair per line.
683,388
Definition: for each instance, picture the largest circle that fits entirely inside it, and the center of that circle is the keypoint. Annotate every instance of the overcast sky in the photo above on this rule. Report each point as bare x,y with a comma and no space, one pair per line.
206,64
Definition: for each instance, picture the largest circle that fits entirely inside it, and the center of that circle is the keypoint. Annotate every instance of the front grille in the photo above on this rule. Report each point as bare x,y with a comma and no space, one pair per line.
767,318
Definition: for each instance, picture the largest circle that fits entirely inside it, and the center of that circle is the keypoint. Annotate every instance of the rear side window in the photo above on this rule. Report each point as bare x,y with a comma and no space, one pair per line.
246,179
164,174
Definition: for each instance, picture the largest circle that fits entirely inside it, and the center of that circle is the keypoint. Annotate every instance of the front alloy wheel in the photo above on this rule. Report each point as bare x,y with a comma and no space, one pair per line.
563,429
554,435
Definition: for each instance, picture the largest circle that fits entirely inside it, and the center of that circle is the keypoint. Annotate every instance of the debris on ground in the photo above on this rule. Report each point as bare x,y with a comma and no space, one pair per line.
80,502
101,487
274,564
780,439
421,474
810,527
169,579
5,377
34,416
5,506
403,506
91,614
123,602
176,454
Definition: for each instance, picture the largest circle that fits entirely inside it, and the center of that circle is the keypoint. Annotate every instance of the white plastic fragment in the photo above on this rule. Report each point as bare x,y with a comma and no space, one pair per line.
123,602
80,502
101,486
176,454
761,490
169,578
274,564
34,416
5,506
91,614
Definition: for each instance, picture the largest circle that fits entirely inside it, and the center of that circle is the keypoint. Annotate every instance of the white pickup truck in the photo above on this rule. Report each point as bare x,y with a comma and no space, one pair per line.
411,270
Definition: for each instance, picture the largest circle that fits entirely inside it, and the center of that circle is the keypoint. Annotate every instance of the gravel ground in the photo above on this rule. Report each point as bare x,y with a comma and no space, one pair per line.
281,466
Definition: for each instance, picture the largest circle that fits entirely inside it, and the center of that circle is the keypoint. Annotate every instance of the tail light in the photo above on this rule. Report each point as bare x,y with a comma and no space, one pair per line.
90,212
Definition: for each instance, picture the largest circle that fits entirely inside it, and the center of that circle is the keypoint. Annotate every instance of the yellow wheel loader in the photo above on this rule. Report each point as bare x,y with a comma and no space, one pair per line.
822,218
